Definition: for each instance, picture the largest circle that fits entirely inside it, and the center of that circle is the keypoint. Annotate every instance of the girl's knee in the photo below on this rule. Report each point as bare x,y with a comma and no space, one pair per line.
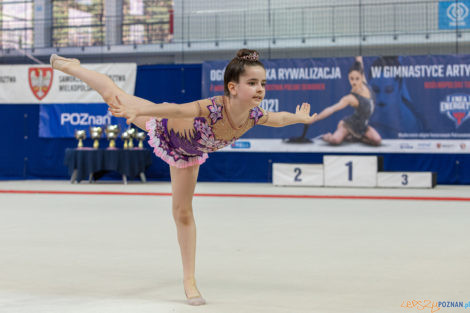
183,215
109,95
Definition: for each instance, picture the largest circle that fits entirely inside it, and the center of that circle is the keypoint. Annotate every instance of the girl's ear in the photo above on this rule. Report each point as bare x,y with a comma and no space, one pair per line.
232,88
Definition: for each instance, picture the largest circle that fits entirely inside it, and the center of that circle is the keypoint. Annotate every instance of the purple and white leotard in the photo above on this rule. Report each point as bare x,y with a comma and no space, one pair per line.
210,131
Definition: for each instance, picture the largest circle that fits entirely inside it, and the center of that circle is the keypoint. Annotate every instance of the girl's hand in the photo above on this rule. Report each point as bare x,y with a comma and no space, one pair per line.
303,113
118,109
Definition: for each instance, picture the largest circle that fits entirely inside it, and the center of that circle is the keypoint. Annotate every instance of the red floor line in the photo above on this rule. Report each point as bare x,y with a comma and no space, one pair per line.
351,197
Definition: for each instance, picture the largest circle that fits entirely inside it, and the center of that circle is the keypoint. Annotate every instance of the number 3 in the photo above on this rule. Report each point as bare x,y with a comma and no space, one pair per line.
404,181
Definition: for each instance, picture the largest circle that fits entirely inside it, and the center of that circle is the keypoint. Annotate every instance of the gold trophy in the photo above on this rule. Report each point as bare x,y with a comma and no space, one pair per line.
140,137
132,132
80,135
125,137
112,132
95,134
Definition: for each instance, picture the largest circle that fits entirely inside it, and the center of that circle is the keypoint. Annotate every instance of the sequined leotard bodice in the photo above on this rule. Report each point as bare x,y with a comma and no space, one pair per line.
358,122
210,131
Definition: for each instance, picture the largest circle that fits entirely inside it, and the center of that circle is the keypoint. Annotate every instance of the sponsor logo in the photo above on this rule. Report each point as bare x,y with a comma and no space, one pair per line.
445,145
457,13
241,145
424,145
463,146
406,146
40,81
84,119
456,108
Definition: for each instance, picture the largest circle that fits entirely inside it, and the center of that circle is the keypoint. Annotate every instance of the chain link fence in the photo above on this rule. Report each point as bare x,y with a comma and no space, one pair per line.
358,27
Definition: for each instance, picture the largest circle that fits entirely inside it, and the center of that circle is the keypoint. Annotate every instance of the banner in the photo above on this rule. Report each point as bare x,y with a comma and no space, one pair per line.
421,103
61,120
30,84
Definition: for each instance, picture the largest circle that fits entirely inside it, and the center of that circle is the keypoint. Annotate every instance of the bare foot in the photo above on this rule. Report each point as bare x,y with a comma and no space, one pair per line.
61,63
193,295
326,137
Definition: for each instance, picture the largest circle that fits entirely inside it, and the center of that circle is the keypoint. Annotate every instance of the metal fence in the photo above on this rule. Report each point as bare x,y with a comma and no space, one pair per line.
359,25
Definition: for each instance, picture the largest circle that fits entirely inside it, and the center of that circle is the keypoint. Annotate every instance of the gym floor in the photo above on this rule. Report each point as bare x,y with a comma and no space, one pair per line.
108,247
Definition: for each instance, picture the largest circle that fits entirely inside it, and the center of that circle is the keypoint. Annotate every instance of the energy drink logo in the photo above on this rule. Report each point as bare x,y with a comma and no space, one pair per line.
456,107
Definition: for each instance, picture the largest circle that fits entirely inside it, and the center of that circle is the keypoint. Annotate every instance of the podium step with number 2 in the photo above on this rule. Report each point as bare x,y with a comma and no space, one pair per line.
288,174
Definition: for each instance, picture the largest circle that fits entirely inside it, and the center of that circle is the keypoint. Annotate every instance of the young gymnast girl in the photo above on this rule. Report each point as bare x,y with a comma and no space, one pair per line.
183,134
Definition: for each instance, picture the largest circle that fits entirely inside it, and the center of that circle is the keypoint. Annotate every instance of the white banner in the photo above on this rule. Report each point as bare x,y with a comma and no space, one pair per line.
318,145
29,84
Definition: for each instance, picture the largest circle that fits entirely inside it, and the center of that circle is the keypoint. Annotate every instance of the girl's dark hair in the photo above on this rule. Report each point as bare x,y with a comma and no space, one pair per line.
357,66
236,67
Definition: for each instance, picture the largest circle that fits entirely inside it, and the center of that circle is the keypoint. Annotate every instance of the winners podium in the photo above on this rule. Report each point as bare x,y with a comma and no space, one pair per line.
349,171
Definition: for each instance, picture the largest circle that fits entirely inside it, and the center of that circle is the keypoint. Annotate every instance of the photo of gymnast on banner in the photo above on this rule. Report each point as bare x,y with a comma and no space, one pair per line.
415,104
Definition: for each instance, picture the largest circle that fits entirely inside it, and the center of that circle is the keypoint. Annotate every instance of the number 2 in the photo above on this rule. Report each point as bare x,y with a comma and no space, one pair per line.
298,171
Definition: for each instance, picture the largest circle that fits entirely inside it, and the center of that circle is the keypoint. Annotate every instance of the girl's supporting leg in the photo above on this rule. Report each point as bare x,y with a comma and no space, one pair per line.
338,136
372,137
183,183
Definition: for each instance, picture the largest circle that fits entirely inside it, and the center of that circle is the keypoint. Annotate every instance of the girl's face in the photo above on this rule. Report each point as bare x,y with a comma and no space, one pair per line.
355,79
251,86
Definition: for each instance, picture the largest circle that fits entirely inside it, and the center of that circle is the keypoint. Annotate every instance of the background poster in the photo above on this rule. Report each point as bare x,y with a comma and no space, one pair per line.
422,103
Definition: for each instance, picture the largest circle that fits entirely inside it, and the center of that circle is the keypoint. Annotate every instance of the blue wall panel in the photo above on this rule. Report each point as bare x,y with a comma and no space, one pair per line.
24,155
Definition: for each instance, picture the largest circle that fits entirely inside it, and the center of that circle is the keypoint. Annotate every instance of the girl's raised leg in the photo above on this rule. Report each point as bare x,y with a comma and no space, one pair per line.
183,183
97,81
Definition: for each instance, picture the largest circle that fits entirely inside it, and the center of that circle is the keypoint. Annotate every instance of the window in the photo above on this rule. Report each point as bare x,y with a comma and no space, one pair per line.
147,21
16,24
78,23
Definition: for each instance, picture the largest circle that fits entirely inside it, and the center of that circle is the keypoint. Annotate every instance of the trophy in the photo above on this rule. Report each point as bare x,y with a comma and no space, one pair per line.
112,132
140,137
95,134
80,135
125,136
132,133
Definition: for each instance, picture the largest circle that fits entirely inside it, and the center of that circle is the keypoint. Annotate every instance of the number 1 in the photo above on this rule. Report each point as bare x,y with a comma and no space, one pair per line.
349,165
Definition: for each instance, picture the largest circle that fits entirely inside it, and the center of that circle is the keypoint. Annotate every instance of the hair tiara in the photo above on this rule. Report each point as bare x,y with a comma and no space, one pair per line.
254,56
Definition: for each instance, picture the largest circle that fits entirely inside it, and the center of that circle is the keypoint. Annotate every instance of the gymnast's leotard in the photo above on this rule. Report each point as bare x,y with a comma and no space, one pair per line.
210,131
358,122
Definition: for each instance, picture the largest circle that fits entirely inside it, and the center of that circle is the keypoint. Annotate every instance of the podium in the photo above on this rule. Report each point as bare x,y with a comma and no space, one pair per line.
349,171
285,174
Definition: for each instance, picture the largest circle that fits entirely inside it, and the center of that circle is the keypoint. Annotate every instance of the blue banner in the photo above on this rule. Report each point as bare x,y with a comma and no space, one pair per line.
454,14
61,120
416,98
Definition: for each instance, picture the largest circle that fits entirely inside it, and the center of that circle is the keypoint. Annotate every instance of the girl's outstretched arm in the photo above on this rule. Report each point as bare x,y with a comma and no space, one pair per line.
344,102
302,115
131,110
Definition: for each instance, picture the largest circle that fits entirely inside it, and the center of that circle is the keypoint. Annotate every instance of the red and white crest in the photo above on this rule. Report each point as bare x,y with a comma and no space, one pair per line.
40,81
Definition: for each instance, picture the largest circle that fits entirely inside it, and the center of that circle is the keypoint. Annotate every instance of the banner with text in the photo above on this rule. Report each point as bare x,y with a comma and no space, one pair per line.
422,103
30,84
61,120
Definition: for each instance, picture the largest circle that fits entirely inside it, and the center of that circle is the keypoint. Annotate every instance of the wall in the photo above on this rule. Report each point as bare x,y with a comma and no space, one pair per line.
24,155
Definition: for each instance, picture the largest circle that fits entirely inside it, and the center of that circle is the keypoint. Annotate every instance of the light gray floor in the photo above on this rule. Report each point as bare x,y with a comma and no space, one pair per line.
99,253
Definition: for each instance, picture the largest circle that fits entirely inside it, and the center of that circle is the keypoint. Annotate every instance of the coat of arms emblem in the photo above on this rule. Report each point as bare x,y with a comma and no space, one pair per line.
40,81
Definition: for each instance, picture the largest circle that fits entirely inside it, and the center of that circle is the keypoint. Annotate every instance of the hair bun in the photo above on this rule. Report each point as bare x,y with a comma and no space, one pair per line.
248,55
